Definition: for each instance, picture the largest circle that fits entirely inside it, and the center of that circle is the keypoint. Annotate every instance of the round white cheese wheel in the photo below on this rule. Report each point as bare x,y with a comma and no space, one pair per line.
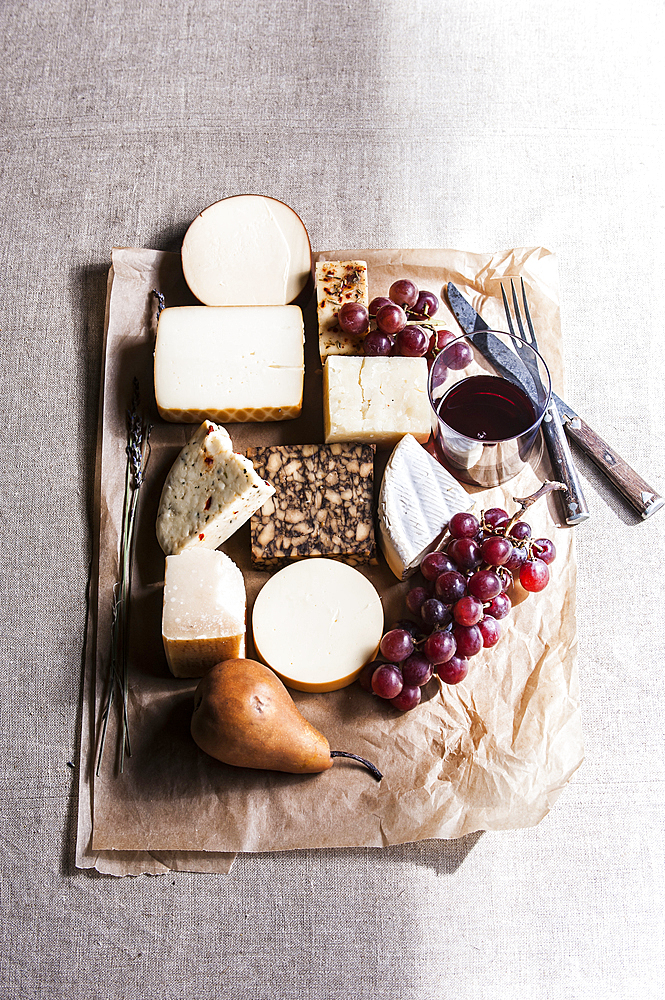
316,623
247,251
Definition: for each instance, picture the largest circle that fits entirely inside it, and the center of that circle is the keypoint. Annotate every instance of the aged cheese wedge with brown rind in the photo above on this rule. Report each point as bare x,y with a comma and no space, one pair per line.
209,492
316,623
247,250
203,618
230,364
417,499
375,400
339,282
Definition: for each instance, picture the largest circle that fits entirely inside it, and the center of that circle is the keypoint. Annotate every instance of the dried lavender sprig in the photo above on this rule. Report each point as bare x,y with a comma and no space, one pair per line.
138,453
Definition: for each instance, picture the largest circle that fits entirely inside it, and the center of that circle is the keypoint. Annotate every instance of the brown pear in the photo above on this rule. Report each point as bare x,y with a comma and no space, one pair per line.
243,715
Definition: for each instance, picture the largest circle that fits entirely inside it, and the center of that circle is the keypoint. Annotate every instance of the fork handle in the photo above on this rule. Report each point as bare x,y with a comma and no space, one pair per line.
573,504
637,492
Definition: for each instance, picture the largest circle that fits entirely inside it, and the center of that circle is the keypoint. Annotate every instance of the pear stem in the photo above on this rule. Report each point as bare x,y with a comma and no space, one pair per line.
374,771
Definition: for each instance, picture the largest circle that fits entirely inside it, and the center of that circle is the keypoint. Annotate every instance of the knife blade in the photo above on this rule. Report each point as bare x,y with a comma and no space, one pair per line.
645,500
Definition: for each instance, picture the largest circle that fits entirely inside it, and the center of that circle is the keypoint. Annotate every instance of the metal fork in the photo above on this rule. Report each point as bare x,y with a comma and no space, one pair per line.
573,504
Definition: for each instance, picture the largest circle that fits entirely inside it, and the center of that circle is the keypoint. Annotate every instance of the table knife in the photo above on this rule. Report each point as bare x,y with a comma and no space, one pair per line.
630,484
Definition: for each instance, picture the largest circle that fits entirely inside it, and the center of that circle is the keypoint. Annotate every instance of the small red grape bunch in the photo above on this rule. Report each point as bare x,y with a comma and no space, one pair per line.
397,325
461,601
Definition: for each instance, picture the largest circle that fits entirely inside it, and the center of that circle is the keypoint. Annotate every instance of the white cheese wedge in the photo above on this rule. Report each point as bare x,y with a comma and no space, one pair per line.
316,623
375,399
203,618
229,364
417,499
209,492
247,250
339,282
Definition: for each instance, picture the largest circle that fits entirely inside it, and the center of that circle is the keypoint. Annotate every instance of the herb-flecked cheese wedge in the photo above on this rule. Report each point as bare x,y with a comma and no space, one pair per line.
208,494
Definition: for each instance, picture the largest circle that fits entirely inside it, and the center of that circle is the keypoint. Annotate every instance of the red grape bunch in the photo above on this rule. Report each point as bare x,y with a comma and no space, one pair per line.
397,325
460,602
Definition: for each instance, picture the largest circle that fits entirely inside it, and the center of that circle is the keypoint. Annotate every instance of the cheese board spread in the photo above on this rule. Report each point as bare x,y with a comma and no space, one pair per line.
429,748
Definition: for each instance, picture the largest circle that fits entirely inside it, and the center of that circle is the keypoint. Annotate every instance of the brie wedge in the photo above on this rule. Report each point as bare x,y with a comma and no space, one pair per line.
417,499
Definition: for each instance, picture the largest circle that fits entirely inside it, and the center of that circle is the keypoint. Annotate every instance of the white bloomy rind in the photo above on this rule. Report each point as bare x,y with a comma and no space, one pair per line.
417,499
208,494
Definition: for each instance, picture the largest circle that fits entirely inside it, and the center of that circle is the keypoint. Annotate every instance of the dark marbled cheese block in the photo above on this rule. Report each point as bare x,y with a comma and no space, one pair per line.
322,504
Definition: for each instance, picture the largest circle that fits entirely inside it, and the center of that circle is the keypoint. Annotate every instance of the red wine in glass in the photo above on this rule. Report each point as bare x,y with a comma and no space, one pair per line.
487,408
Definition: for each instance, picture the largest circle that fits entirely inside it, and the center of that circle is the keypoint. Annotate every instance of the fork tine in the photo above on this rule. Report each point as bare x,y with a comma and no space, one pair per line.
518,315
507,309
528,315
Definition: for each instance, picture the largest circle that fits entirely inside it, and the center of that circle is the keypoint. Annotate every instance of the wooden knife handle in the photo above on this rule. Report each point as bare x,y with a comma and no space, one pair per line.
643,498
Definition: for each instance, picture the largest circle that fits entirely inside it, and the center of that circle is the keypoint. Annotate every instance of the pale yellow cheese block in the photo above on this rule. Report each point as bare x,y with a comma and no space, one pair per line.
203,617
316,623
229,364
375,400
339,282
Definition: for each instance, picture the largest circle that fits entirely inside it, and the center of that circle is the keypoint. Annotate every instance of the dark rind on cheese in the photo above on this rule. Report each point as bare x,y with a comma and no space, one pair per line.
322,504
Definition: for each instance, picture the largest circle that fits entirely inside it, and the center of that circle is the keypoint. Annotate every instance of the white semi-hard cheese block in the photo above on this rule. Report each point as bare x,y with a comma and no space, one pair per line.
203,618
229,364
247,250
316,623
375,399
208,493
339,282
417,499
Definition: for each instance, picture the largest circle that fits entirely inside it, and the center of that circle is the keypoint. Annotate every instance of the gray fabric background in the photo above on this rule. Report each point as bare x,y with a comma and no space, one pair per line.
454,123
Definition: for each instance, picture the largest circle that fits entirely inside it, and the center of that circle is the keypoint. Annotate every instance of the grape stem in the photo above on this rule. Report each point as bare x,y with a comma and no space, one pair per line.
374,771
526,502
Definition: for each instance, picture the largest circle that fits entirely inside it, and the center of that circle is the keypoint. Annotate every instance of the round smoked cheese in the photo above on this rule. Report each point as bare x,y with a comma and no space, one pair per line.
247,251
316,623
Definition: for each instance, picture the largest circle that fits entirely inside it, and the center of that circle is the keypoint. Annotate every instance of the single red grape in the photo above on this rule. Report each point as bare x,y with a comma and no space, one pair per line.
377,302
426,304
377,344
412,342
450,587
407,699
466,553
404,292
435,563
365,675
438,341
534,575
457,355
468,611
484,585
353,318
496,550
516,559
391,318
499,607
468,638
544,550
496,517
463,525
439,647
490,630
416,670
434,612
454,670
416,598
396,645
387,681
520,530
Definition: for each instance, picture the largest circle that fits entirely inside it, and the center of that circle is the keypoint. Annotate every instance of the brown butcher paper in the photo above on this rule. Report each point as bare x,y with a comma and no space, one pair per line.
492,753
